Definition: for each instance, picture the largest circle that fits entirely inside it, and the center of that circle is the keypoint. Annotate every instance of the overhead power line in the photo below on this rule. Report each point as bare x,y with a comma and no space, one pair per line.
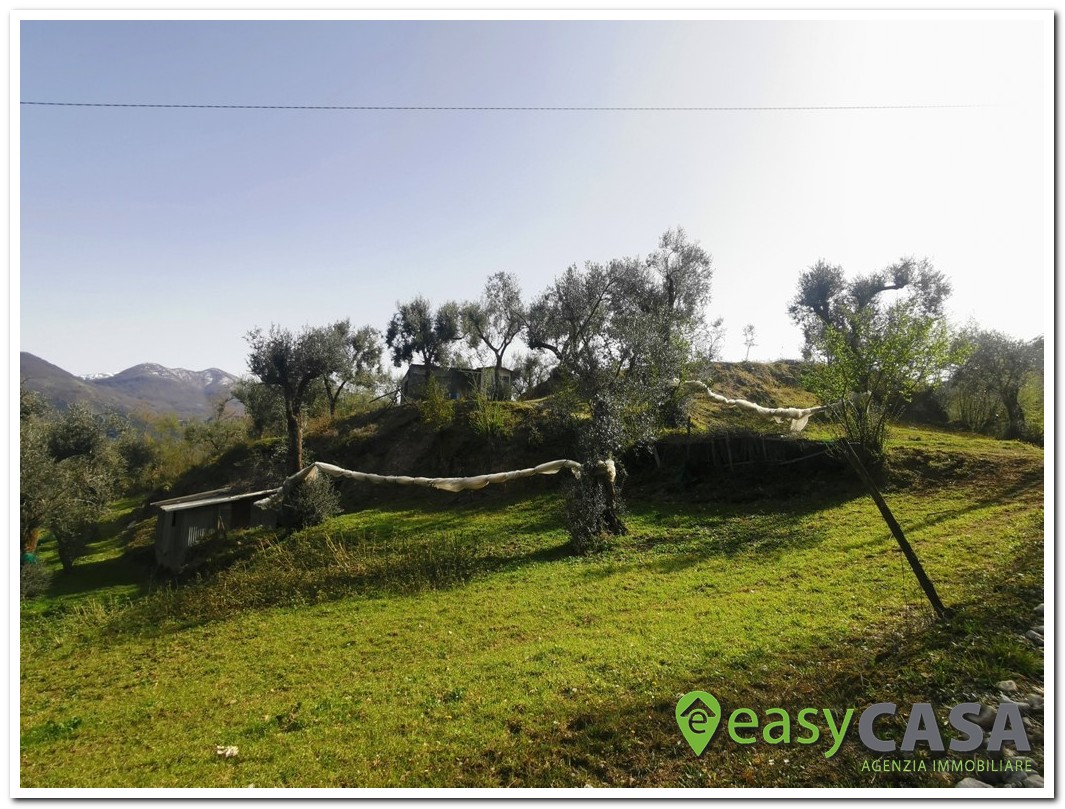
403,108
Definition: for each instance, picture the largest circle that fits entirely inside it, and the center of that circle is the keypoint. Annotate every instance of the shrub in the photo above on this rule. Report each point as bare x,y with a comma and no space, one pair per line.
312,502
490,419
677,409
535,436
436,410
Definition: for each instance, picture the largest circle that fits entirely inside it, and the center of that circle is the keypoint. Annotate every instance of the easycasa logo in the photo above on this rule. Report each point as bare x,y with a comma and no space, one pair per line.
699,716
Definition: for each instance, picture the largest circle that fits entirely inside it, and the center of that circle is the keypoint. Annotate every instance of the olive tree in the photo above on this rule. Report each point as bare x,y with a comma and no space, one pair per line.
748,340
213,436
495,320
362,361
264,406
69,471
37,480
415,329
684,271
567,318
587,320
881,333
627,327
990,379
620,332
289,363
530,370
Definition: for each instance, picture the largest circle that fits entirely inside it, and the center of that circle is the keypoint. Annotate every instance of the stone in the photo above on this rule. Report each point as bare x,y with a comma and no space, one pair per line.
1034,636
1039,629
971,783
1039,610
1034,781
1036,702
1007,686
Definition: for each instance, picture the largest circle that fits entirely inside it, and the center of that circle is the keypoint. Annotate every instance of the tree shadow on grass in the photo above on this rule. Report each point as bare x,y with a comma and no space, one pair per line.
103,574
614,739
1029,483
385,561
380,560
721,531
108,563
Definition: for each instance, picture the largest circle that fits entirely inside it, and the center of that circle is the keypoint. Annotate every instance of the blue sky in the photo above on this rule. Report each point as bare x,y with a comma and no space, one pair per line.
164,235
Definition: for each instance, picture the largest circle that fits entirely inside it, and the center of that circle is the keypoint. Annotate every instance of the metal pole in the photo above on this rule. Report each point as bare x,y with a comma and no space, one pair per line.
896,529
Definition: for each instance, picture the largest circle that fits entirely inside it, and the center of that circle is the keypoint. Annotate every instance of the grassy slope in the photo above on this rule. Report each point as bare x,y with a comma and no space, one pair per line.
108,571
479,653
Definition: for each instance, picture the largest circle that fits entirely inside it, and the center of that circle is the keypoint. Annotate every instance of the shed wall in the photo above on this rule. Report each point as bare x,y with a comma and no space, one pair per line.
177,531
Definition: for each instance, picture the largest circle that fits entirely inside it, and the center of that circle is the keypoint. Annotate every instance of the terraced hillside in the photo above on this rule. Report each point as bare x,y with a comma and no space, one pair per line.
451,640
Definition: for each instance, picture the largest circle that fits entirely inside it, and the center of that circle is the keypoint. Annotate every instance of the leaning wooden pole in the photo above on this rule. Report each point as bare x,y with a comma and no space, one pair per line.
896,529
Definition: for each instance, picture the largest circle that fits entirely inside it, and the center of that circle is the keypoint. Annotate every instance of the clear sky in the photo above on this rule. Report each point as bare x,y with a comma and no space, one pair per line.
164,235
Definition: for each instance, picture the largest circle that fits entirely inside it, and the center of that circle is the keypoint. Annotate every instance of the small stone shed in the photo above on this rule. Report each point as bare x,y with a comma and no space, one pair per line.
457,383
184,521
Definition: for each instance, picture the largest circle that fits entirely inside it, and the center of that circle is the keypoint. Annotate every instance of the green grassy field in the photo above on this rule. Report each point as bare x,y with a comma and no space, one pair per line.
457,643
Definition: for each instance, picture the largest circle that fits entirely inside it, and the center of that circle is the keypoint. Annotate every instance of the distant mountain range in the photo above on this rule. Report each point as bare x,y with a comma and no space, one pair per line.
146,388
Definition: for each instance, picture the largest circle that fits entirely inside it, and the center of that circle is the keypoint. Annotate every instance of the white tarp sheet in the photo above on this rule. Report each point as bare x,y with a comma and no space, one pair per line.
447,484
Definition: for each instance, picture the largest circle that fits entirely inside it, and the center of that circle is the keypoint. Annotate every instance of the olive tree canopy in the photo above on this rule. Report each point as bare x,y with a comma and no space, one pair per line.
362,361
289,362
995,370
621,332
68,473
496,319
416,330
882,332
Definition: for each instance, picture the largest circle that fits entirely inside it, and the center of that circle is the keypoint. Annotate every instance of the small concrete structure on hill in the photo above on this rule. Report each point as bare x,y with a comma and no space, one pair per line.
457,383
185,521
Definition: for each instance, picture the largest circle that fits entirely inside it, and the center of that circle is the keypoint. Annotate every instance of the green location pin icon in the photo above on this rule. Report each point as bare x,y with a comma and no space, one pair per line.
698,715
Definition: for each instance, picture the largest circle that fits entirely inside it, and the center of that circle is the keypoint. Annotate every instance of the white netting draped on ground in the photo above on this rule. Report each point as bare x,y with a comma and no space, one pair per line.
605,468
795,417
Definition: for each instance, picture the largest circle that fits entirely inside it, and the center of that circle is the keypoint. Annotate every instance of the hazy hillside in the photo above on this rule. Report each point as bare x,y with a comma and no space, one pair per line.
143,388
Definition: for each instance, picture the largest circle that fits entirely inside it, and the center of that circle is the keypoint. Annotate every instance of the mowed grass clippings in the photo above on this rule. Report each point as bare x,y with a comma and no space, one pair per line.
460,645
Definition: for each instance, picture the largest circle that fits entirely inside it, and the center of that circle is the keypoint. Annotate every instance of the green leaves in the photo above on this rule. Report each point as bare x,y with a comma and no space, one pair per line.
882,332
289,362
416,329
69,470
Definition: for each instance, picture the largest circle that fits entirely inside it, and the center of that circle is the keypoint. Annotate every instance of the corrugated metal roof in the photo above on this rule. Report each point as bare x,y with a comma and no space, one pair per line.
197,496
182,503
